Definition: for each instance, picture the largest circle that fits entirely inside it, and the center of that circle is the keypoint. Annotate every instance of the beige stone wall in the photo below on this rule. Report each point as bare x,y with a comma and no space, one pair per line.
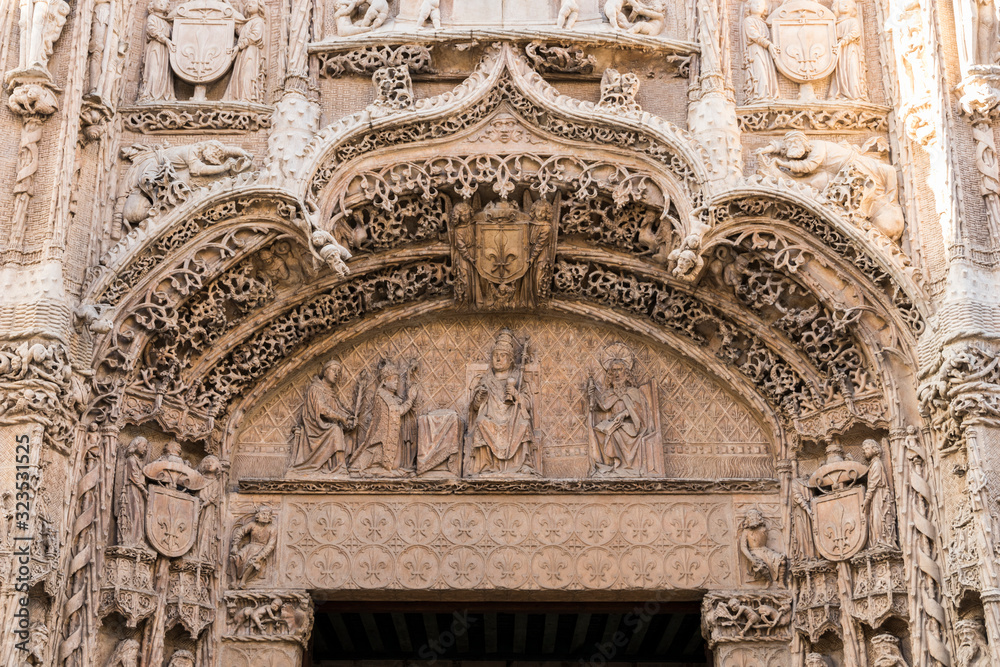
205,202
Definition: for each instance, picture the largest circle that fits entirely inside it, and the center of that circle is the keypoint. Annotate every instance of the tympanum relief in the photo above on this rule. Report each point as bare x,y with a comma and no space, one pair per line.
491,396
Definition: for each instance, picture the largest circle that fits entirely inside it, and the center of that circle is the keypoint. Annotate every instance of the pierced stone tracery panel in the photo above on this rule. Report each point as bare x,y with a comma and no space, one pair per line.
706,432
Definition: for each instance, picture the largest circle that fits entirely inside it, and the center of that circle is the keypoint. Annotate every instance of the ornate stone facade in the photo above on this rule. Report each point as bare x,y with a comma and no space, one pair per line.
580,300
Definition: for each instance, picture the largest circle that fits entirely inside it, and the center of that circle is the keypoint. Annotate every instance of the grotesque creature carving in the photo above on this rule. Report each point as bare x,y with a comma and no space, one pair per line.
624,438
741,616
269,617
822,164
250,558
618,92
758,54
371,14
640,17
320,440
387,443
501,426
849,78
765,563
161,176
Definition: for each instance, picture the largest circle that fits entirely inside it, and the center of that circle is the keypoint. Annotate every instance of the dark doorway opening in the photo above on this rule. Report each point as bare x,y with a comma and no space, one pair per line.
370,634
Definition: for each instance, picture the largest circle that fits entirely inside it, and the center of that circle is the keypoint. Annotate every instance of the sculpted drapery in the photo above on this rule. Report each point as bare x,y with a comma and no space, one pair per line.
157,80
500,422
622,426
245,84
321,443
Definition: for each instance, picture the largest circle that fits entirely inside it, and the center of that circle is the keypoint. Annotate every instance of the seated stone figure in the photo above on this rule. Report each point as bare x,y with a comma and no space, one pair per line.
500,416
819,164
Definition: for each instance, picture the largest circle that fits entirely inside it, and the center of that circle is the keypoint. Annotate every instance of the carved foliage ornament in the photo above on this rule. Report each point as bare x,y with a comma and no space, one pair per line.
416,58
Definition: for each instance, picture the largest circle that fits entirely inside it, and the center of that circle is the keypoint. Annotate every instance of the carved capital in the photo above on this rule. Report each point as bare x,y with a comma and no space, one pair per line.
746,617
963,390
268,616
32,97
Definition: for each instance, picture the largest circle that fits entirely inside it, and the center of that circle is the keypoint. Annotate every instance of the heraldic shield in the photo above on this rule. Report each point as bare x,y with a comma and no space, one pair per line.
203,33
840,527
805,33
502,251
171,520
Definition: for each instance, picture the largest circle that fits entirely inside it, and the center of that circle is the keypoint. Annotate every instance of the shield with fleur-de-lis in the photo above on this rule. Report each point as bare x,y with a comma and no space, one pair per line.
840,528
805,34
171,520
502,250
203,34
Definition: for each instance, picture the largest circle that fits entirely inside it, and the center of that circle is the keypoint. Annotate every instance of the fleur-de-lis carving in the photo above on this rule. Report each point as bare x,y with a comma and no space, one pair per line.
330,523
464,567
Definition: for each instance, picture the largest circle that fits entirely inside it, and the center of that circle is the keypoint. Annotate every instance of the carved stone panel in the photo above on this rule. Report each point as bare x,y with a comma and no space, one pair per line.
566,542
705,432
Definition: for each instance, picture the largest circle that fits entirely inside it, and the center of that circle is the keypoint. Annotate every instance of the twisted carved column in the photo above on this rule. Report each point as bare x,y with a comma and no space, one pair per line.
927,614
89,527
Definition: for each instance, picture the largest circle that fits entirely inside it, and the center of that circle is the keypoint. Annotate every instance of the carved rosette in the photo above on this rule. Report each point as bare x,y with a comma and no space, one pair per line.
189,599
127,584
879,587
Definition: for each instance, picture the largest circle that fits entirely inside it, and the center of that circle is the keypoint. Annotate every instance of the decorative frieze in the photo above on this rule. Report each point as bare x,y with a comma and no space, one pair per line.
175,117
525,543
